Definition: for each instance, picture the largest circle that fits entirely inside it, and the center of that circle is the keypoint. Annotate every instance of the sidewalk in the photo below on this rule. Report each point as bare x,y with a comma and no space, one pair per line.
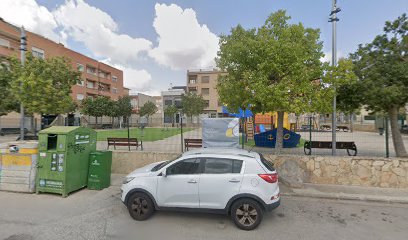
389,195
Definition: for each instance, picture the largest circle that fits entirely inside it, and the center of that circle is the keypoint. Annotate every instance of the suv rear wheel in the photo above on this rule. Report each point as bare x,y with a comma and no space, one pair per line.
246,214
140,206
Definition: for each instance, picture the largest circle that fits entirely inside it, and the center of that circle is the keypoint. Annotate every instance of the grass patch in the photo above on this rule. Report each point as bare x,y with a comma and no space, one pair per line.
149,134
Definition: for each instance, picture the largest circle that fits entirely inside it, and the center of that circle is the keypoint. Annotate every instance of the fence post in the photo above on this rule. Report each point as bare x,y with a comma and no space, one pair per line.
387,147
181,131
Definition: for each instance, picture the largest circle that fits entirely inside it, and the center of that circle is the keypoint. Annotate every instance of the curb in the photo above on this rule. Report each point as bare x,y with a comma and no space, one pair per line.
354,197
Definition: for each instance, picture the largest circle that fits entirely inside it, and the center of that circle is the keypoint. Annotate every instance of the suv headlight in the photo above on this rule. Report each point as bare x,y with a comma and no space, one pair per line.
127,179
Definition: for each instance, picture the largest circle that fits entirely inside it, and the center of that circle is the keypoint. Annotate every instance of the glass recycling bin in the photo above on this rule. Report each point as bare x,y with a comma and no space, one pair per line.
63,160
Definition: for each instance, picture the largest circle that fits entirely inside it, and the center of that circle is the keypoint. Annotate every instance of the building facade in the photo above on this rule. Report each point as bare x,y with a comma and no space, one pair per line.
172,97
97,78
204,83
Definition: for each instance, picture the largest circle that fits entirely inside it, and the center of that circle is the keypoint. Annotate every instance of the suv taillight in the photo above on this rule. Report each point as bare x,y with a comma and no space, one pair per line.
270,178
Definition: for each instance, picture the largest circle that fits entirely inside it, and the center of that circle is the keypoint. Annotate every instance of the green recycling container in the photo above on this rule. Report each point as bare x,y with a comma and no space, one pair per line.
100,163
63,160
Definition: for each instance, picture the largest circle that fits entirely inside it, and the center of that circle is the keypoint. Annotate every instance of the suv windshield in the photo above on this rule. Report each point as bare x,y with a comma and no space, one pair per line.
266,163
161,165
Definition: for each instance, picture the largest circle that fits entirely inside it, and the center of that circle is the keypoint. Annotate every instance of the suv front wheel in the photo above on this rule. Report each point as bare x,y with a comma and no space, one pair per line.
140,206
246,214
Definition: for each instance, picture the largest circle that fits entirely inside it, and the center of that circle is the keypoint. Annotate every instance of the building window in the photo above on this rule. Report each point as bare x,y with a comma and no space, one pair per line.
80,96
91,70
114,90
192,90
80,67
177,103
103,74
205,91
4,43
90,84
205,79
207,103
114,79
192,79
38,53
168,102
81,83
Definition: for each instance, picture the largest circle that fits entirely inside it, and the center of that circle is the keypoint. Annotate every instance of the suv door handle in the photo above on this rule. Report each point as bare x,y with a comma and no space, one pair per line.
234,180
192,181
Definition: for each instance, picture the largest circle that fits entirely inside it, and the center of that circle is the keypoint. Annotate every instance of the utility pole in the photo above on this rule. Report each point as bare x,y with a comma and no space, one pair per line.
23,44
333,19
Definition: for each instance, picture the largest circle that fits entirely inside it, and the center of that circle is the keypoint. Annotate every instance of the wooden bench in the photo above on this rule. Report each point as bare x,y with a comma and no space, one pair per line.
343,128
349,146
192,142
125,142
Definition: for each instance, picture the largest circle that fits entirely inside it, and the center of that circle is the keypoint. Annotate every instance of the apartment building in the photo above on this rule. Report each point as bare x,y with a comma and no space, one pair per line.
204,82
97,79
172,96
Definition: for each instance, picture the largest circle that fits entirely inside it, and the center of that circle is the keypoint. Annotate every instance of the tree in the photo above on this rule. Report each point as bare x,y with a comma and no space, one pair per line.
96,107
124,106
274,68
382,68
192,104
8,101
170,111
44,86
148,109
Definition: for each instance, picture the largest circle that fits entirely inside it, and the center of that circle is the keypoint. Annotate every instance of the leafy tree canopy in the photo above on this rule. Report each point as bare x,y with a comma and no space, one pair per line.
44,86
148,109
192,104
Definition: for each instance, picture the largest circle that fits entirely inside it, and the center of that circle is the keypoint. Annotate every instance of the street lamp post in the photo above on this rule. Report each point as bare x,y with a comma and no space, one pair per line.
333,19
23,44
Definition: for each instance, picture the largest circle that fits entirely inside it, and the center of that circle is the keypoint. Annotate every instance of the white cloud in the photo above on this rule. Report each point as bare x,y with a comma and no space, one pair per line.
182,43
33,17
99,32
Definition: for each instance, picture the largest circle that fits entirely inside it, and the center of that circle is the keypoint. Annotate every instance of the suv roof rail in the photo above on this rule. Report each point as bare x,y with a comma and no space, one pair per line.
231,151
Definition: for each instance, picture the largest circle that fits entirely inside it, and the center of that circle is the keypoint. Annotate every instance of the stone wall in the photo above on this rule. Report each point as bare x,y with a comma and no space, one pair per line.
296,170
359,171
124,162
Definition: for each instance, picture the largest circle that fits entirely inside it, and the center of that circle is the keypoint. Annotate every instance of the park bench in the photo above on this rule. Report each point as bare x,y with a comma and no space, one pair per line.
125,142
343,128
192,142
349,146
325,127
5,131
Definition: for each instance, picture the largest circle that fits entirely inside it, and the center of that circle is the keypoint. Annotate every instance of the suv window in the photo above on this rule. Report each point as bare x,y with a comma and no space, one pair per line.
219,166
266,163
189,166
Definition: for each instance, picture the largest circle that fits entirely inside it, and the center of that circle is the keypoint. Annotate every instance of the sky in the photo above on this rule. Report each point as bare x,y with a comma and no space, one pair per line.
156,42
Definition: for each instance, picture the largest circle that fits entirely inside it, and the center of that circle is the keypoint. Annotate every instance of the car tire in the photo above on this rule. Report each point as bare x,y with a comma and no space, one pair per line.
140,206
246,214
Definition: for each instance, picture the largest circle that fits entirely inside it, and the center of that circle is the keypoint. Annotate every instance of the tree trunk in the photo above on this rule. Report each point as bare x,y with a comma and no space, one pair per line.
96,121
351,122
396,134
279,133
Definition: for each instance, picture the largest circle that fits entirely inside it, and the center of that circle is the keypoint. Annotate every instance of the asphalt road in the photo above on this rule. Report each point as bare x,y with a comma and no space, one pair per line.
101,215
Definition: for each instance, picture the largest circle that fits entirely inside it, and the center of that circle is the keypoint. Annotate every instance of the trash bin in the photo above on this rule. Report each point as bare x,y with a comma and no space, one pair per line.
64,159
100,163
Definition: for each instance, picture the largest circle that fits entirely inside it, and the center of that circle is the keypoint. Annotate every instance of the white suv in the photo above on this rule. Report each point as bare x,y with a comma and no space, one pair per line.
231,181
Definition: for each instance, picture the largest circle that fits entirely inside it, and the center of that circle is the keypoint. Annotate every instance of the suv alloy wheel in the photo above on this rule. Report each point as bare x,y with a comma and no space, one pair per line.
246,214
140,206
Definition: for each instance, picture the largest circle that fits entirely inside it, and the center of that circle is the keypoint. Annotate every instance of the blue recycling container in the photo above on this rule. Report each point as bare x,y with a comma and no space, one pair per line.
268,139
